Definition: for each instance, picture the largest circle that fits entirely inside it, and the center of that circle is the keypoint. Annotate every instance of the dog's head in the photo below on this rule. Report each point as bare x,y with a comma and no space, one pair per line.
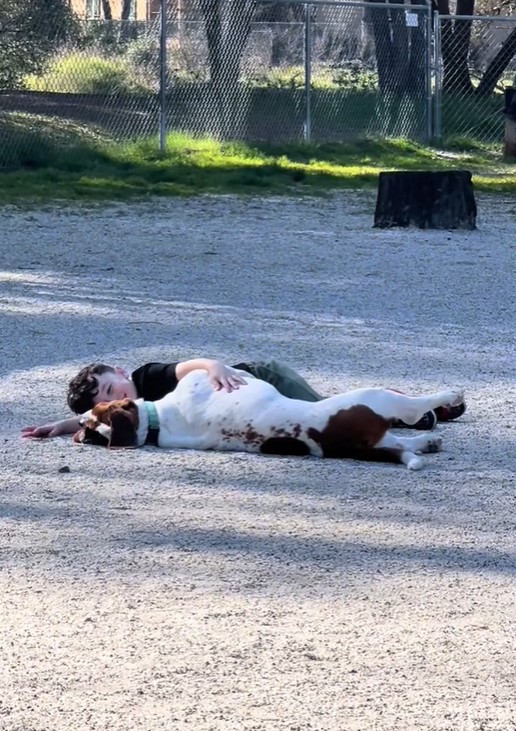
112,424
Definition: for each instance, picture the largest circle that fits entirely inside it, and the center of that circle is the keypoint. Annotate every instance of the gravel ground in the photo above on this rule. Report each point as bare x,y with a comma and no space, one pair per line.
172,590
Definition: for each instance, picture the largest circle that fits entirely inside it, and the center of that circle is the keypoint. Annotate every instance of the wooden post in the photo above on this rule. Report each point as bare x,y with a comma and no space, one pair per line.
441,199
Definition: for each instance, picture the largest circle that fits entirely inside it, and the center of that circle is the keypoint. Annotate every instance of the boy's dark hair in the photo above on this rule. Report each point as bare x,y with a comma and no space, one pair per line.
83,387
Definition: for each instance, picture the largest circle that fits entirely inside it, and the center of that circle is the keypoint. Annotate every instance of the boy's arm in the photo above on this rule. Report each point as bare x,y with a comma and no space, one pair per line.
53,429
221,376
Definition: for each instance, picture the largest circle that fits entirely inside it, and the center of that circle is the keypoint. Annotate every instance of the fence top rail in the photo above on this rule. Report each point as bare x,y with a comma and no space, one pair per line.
502,18
350,4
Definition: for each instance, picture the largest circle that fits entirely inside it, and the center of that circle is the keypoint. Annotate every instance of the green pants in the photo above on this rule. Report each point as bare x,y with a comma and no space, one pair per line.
284,379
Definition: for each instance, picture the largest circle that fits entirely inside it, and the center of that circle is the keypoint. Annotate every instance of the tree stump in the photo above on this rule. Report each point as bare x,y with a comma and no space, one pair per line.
443,200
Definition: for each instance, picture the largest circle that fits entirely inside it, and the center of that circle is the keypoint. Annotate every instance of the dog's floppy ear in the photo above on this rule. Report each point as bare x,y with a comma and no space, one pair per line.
123,428
114,423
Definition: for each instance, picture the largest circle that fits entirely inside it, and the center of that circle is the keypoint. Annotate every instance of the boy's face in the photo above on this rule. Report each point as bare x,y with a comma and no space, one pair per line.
115,386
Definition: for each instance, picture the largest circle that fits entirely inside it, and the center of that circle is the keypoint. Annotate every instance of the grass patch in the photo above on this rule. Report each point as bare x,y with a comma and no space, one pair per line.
76,73
48,161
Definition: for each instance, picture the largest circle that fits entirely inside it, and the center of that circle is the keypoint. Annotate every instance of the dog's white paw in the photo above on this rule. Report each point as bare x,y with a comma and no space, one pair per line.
453,397
414,462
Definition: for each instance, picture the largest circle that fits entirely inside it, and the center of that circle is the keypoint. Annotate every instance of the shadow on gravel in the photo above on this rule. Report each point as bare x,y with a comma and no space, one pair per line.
81,316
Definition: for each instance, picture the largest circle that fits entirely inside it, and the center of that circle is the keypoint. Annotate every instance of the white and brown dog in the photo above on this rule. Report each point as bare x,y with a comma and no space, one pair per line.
257,418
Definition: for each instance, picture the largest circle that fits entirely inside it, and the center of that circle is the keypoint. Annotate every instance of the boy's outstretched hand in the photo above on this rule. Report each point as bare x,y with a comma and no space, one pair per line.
55,429
40,432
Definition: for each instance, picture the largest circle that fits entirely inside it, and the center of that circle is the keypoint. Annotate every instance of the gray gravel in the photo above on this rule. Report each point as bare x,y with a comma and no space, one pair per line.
151,590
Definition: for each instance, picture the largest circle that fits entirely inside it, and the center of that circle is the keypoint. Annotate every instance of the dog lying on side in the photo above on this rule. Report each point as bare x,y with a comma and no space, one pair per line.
257,418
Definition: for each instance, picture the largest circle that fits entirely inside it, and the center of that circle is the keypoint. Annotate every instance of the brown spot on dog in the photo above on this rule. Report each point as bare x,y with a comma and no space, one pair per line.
251,436
353,433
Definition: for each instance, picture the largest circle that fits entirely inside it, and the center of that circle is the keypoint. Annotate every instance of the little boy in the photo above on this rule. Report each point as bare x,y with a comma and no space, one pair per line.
98,382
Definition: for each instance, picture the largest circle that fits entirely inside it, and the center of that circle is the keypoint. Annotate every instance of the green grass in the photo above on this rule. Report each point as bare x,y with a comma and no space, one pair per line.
49,162
76,73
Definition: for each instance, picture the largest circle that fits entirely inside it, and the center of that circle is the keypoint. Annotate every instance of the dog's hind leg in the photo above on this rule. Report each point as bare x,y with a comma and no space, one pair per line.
409,446
412,408
409,409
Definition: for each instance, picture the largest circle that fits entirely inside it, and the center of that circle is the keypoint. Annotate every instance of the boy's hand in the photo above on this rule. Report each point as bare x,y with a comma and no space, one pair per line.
41,432
223,377
55,429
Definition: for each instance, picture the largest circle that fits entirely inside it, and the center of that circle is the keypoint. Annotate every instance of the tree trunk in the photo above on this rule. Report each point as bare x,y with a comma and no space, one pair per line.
455,36
106,10
443,8
418,47
497,66
400,50
462,38
227,32
440,200
126,10
211,11
383,46
125,26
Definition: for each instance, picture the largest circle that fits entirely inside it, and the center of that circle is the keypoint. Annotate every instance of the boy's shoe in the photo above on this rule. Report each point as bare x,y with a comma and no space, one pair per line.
448,413
426,423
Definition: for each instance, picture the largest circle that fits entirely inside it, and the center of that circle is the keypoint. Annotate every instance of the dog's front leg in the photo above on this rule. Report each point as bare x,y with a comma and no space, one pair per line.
409,446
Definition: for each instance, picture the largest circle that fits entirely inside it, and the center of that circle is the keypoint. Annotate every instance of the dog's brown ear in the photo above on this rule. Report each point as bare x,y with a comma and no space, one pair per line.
123,430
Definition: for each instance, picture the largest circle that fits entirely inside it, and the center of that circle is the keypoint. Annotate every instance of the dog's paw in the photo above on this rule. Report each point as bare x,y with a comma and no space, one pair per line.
453,397
414,462
433,444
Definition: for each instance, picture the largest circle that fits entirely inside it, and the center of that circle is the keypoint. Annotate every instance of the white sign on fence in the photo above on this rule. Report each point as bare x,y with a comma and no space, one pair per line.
411,19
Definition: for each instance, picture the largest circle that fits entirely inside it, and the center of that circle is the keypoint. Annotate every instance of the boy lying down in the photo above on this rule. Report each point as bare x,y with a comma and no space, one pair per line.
98,382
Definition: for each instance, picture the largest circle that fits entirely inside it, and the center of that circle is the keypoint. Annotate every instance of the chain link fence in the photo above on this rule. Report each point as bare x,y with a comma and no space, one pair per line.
288,72
260,71
474,61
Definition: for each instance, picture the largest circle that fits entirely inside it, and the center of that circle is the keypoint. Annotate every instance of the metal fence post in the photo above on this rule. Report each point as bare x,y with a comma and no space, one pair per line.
428,71
308,72
163,78
438,78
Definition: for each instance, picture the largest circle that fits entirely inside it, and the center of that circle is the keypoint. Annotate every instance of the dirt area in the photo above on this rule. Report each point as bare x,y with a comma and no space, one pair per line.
217,592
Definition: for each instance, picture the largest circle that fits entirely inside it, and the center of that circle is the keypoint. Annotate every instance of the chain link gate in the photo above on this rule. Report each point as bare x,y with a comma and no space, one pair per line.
474,60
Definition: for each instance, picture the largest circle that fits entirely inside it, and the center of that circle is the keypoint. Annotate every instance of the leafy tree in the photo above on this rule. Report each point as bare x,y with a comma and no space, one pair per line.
30,32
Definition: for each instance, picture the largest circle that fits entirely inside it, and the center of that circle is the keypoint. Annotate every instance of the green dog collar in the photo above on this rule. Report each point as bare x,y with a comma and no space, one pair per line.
152,415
